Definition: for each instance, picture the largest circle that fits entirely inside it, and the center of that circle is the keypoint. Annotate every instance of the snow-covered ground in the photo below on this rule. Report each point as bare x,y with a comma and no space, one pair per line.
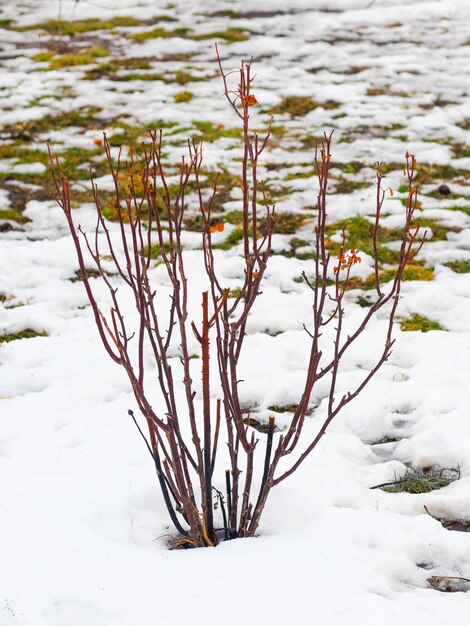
83,529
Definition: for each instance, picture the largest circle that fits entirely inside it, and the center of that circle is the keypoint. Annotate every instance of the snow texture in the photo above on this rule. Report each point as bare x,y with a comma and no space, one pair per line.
83,528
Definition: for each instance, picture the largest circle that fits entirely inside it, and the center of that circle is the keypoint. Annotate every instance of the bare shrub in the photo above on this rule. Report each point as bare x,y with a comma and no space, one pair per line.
185,437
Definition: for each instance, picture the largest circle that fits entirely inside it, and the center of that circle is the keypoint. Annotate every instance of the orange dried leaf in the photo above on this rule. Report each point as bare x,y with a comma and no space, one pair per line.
98,142
217,228
250,100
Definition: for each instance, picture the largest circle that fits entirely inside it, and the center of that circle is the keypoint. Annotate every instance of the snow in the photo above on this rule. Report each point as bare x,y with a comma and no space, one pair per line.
83,527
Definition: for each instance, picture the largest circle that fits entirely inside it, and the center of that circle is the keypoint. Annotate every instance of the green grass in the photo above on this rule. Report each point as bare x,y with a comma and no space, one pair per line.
465,209
295,243
90,272
359,235
159,33
286,408
210,132
109,68
299,175
436,230
460,267
183,96
284,223
63,27
24,334
419,322
155,250
421,481
430,172
287,223
411,272
299,106
81,118
71,59
344,185
12,215
181,77
235,293
232,240
230,35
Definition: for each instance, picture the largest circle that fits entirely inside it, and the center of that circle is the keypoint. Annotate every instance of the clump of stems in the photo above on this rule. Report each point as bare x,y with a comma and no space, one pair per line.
207,506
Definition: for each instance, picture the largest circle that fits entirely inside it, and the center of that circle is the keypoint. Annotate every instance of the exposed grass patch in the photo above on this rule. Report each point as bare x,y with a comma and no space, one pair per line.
286,408
232,240
211,132
195,222
261,427
419,322
296,244
23,153
63,27
430,172
351,167
298,106
230,35
69,59
127,134
80,161
38,179
461,266
90,272
235,293
24,334
344,185
387,168
159,33
183,96
110,68
465,209
80,118
284,223
435,230
421,481
359,234
181,77
20,195
156,250
364,301
226,13
299,175
13,215
461,150
411,272
288,223
225,183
